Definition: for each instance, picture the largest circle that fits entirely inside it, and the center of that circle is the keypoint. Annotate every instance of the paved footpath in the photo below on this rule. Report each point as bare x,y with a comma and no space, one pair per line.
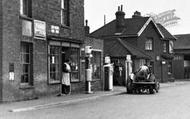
48,102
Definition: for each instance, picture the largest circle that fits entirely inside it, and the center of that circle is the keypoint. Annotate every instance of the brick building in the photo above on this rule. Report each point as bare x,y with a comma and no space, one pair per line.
36,37
182,56
140,37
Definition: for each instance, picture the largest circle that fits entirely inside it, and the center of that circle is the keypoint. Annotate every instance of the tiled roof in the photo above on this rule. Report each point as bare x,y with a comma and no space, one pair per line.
167,35
182,42
120,48
132,27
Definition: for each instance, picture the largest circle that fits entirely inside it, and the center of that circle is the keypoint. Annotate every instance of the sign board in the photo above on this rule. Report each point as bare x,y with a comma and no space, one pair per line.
11,76
39,29
27,28
107,60
11,71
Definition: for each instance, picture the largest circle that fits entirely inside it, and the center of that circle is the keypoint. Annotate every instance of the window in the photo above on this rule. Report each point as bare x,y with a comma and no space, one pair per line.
65,20
26,8
148,44
74,63
55,64
164,47
26,63
171,45
96,65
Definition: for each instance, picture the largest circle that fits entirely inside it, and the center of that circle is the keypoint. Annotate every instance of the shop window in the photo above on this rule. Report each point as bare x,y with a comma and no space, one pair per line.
96,65
65,15
26,63
74,63
57,56
55,64
26,8
149,44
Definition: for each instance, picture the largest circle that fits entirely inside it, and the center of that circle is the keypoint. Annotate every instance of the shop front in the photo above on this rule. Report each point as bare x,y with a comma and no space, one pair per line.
59,50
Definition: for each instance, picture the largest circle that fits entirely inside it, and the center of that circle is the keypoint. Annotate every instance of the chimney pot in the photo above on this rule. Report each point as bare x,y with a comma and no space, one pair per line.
86,22
86,28
121,7
118,8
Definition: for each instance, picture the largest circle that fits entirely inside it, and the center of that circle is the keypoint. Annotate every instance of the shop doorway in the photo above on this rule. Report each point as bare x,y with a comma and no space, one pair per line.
119,72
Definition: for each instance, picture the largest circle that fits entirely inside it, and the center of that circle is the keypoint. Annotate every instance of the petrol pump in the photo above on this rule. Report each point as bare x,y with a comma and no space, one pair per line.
128,65
88,68
108,74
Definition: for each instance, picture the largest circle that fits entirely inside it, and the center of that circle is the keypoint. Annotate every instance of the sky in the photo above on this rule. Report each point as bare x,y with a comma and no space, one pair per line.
96,9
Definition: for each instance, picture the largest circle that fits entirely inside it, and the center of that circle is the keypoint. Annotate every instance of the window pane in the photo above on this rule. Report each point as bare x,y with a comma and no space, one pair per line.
26,54
24,78
26,68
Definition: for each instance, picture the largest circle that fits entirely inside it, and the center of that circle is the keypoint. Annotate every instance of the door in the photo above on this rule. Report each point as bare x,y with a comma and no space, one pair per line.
119,72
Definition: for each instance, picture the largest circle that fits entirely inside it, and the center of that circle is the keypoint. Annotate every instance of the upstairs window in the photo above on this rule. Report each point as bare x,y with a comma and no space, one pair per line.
171,45
26,8
148,44
164,47
65,20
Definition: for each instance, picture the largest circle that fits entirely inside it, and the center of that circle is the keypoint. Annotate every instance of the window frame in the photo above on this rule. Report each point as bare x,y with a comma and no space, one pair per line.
29,63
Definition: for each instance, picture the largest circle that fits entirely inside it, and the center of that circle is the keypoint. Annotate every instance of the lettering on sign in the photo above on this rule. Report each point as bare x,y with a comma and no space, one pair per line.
167,18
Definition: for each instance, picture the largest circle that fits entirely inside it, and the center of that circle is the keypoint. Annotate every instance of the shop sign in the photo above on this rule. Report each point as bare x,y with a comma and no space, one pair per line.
39,29
26,28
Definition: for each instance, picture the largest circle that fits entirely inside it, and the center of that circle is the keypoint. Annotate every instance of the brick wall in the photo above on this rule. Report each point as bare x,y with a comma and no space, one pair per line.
1,42
48,11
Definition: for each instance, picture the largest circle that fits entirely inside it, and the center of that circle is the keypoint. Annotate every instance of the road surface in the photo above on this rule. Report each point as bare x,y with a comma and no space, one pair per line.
169,103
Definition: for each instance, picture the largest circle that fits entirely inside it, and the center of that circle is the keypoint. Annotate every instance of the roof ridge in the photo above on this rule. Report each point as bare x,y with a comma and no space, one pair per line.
102,26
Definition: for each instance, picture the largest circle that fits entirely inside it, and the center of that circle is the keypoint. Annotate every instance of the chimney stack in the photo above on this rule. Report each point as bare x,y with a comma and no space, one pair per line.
86,28
120,19
136,14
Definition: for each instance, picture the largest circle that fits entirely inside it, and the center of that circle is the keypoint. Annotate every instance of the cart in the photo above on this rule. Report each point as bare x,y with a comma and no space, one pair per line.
136,85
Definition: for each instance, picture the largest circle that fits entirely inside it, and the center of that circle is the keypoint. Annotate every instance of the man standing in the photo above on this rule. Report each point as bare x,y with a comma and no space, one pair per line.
143,72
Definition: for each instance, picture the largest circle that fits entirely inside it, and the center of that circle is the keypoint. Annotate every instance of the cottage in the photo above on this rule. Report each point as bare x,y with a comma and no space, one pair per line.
139,37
